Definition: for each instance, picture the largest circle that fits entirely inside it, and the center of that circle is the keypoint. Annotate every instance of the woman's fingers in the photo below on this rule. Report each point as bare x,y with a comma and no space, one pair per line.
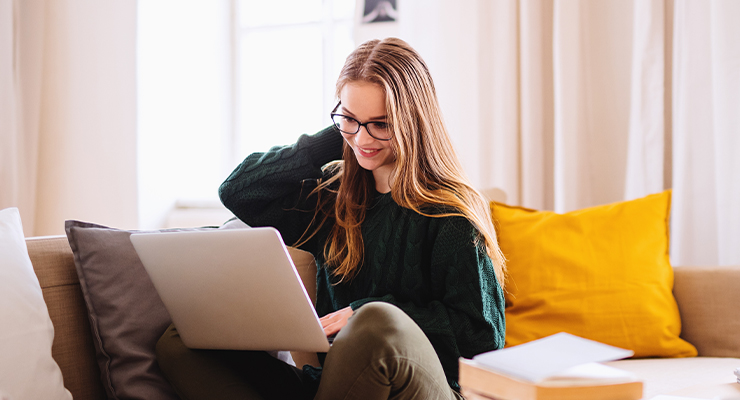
331,326
331,329
334,322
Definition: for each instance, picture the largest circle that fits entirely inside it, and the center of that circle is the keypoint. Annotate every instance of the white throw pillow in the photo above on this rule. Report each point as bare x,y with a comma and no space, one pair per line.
27,370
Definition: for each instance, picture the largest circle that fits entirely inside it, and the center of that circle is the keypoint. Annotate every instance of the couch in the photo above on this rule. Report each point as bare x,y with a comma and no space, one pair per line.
708,300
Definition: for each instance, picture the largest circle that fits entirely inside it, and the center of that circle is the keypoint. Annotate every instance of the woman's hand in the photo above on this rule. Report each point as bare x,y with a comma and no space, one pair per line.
335,321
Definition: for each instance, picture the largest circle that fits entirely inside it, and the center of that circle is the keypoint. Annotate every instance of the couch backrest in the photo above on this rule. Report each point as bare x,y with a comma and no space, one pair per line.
709,301
707,298
73,348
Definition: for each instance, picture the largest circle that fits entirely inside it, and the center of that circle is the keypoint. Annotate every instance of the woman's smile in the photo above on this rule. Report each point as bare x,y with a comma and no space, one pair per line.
368,152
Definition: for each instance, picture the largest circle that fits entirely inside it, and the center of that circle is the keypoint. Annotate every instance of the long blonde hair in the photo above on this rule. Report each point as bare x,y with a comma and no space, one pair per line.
427,174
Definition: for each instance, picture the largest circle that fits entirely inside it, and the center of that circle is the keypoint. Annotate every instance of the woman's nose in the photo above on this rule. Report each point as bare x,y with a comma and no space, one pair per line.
363,136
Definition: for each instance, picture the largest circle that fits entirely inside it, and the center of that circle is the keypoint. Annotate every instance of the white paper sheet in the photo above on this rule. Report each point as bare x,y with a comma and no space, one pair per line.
543,358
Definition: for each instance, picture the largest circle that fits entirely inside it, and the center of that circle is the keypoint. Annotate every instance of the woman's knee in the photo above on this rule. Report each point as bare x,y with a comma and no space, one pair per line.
382,348
381,323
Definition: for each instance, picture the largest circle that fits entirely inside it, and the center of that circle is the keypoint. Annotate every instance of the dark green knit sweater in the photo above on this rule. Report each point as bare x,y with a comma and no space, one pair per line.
429,267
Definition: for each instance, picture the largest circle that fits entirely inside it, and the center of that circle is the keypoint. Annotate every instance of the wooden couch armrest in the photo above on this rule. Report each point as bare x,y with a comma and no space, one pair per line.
709,302
73,348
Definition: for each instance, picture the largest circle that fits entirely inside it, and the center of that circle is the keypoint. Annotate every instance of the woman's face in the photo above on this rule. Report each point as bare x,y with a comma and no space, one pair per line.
365,102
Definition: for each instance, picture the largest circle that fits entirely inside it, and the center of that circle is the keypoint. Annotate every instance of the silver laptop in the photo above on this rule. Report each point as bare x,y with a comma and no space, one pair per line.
231,289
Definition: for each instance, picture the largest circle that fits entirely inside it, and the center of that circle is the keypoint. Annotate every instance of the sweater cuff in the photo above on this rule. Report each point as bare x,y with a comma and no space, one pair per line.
325,146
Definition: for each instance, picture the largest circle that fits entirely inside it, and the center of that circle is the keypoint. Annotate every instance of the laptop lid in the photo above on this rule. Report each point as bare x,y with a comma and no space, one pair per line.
231,289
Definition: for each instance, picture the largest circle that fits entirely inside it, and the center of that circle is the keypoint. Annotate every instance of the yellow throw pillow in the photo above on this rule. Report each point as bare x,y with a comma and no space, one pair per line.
601,273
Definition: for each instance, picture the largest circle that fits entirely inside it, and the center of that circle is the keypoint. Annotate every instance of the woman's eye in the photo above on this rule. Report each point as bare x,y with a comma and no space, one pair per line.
381,125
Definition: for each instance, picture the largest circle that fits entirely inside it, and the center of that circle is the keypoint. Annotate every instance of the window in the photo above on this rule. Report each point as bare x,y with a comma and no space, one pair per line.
220,79
288,54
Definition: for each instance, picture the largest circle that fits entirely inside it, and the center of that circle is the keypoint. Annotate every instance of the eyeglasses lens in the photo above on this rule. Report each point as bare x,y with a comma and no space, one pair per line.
346,124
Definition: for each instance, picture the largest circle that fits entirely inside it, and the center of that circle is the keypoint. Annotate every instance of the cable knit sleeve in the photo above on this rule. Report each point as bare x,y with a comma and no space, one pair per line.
271,188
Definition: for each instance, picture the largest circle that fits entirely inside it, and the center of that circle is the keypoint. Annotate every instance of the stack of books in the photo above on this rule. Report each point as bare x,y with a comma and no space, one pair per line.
558,367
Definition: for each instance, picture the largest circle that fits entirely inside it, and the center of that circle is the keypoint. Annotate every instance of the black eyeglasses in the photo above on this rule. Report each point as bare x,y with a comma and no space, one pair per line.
350,126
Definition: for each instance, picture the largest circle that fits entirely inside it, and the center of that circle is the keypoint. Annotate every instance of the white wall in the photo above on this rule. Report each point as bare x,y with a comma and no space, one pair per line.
184,73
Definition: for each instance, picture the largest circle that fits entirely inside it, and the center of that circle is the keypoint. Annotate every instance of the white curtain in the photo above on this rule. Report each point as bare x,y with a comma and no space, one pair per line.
68,112
706,132
535,93
20,104
566,104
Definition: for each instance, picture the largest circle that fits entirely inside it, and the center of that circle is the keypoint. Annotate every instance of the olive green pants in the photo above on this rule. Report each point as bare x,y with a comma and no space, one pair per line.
380,354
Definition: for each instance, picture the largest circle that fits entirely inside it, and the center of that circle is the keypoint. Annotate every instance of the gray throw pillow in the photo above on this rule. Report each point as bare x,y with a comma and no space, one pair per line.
126,315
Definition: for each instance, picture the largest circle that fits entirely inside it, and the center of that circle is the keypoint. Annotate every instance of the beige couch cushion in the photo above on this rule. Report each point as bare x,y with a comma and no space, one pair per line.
709,299
700,377
72,349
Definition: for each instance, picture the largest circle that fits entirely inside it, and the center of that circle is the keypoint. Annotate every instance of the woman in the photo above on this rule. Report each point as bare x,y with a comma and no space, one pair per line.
410,276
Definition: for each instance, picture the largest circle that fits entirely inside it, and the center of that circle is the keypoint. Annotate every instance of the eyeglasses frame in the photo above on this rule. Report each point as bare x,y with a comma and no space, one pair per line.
359,125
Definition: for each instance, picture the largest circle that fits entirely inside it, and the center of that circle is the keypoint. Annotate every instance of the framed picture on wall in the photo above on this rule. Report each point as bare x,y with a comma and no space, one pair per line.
379,11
